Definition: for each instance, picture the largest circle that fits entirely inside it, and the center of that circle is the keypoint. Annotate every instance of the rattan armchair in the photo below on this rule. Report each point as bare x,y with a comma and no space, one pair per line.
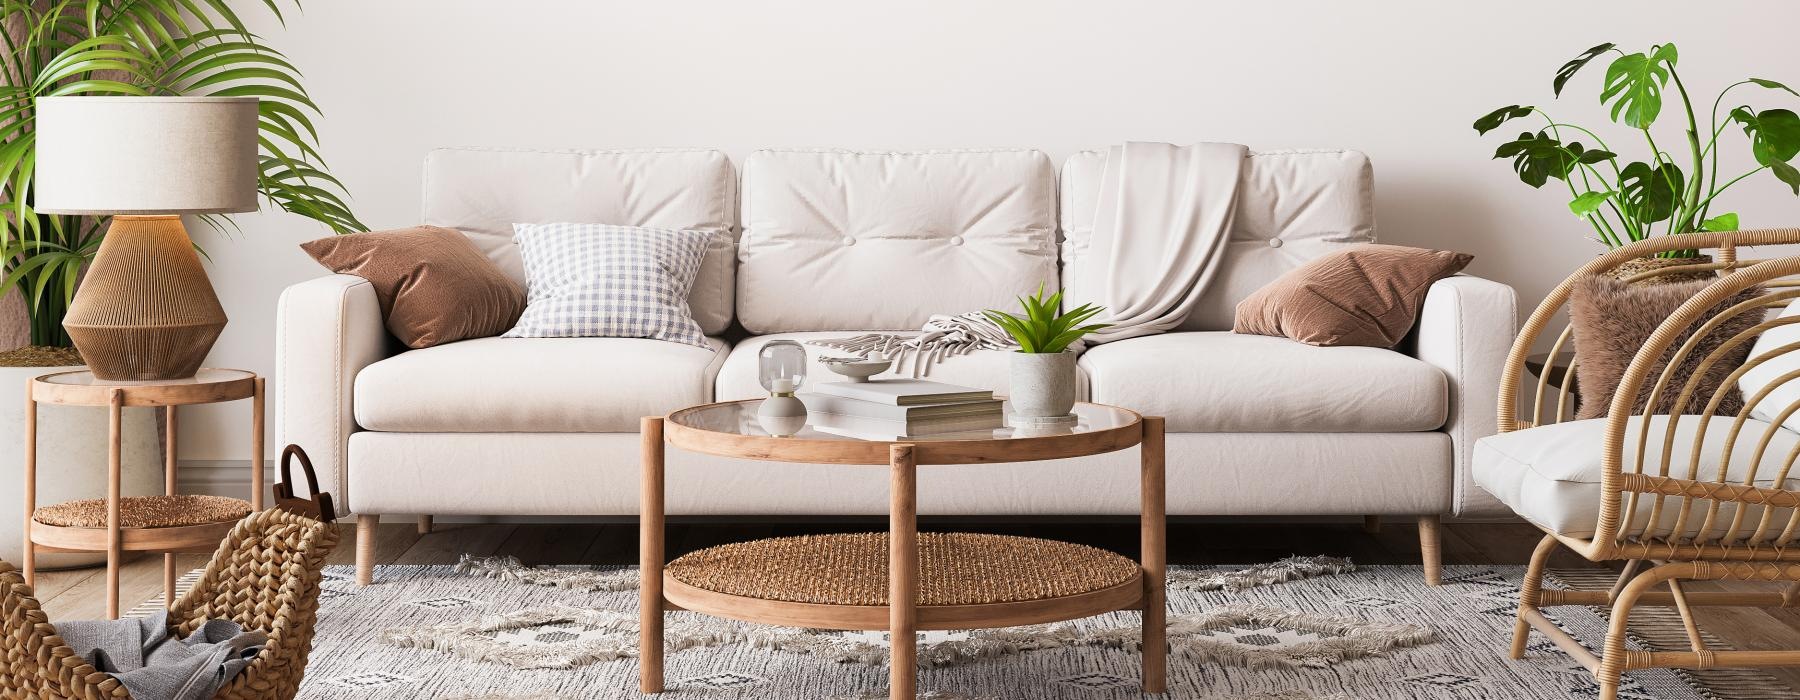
264,576
1676,503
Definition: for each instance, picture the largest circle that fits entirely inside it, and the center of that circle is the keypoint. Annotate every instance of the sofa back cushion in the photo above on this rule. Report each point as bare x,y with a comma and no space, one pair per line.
1292,206
483,192
843,240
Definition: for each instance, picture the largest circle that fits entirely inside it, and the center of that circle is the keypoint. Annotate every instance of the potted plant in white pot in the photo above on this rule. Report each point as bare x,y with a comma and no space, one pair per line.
118,48
1042,371
1671,191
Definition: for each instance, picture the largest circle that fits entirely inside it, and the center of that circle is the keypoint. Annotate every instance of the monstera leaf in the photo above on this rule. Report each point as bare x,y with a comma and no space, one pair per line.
1493,120
1651,192
1772,85
1774,133
1722,222
1634,85
1569,69
1538,157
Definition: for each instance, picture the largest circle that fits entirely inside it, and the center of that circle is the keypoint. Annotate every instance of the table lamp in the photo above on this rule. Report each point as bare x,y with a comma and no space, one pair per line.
145,309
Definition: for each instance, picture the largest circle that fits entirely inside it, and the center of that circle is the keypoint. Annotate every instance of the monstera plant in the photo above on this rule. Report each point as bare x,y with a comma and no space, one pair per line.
1671,190
139,47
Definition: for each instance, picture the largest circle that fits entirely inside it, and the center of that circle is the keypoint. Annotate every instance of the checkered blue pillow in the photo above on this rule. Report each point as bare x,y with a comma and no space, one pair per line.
603,281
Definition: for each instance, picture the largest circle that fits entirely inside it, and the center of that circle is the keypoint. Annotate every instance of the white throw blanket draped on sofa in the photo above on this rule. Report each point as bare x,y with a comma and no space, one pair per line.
1160,229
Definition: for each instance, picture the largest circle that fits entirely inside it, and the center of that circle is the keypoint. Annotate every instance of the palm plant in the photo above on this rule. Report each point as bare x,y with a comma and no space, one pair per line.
139,47
1042,329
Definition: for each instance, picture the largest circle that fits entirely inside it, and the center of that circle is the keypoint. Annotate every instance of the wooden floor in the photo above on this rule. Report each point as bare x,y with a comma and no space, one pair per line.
80,594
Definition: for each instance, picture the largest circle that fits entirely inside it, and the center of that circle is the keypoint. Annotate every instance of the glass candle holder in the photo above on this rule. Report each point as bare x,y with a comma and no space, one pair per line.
781,367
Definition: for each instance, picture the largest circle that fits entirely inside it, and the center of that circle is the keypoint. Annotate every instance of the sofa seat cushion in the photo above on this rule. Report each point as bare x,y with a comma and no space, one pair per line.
1219,382
983,369
1550,475
545,385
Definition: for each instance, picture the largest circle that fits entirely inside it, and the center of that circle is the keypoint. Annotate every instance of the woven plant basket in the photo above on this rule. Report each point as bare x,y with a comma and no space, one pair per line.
1641,265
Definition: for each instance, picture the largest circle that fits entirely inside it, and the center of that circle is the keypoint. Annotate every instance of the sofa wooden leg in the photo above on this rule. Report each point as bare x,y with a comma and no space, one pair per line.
1372,524
365,548
1430,550
424,524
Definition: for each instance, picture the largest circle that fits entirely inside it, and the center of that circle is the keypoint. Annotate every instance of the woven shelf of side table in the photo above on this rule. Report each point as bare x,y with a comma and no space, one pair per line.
146,523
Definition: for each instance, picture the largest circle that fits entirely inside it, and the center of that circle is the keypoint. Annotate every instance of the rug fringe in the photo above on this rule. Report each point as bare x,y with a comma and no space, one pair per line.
584,580
1290,569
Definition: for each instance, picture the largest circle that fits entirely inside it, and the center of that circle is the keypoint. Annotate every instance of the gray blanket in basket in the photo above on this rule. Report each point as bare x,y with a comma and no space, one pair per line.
154,665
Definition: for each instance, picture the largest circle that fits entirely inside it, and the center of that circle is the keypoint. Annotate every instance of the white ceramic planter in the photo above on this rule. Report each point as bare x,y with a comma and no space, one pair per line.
71,451
1042,384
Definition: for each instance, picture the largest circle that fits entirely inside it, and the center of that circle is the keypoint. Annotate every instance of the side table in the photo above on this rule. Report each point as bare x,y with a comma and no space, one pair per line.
128,525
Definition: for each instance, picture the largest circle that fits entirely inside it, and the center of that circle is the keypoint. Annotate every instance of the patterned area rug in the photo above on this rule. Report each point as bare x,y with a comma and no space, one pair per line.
1304,628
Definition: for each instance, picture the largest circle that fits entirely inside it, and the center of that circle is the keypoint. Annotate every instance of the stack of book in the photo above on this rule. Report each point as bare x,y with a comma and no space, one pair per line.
896,409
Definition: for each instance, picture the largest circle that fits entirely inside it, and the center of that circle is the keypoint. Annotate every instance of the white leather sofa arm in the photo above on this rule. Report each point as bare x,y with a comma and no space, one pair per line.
1466,329
326,330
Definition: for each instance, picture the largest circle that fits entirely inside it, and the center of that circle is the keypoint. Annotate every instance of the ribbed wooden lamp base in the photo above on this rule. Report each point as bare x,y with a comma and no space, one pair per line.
145,309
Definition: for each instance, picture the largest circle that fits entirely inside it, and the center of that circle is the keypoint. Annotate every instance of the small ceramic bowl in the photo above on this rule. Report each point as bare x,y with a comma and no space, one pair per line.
856,368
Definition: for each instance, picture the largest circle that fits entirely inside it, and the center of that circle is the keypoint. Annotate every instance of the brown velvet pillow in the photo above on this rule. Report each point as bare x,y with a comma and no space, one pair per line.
1363,295
1612,320
434,287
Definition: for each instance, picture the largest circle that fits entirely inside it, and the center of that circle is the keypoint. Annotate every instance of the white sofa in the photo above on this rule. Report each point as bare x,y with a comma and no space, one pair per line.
833,243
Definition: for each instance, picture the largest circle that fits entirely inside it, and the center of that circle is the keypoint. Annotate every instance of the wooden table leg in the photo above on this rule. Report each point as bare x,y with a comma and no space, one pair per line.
30,551
169,488
903,572
257,466
1154,557
650,558
114,414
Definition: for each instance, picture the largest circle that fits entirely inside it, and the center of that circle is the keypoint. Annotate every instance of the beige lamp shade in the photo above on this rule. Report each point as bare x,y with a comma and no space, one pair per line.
146,155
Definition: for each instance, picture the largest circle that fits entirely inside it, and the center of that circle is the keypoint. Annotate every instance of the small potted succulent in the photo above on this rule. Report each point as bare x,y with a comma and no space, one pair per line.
1676,187
1043,369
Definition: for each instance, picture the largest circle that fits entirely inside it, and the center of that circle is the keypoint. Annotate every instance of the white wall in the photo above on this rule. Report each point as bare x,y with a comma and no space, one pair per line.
1399,80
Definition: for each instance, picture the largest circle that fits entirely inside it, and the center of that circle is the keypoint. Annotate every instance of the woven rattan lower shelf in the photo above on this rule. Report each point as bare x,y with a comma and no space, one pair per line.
841,581
146,523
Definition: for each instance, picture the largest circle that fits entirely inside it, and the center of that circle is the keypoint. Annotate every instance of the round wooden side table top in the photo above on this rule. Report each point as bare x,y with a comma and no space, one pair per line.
902,581
193,530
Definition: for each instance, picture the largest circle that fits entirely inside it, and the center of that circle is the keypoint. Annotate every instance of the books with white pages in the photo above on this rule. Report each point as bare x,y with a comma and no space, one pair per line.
875,430
827,403
903,392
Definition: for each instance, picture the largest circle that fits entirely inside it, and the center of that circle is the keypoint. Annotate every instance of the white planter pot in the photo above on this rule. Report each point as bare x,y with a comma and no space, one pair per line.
1042,384
71,453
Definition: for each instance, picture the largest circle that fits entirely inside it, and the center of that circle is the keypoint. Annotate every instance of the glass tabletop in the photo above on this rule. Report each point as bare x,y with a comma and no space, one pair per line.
740,418
206,375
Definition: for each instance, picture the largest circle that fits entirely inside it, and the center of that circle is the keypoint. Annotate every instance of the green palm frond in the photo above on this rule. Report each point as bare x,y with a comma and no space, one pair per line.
141,47
1042,329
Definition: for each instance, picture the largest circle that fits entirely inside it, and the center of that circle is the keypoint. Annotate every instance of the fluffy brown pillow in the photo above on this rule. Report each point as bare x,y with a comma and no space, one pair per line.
1612,320
433,285
1363,295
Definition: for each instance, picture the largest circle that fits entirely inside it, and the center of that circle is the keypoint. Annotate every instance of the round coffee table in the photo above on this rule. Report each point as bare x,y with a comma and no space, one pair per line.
900,580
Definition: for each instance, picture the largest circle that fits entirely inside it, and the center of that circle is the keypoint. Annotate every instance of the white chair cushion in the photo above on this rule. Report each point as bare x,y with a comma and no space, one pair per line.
1550,475
984,369
1220,382
838,240
1756,378
545,385
1292,206
483,192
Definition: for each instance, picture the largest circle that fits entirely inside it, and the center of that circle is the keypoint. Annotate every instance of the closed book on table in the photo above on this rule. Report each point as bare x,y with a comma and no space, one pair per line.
974,426
827,403
904,392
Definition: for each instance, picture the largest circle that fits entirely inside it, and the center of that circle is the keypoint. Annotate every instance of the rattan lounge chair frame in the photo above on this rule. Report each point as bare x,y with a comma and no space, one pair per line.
1751,539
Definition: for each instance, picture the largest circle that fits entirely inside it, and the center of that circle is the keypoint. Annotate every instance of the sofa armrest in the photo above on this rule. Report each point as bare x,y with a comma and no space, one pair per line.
1466,329
326,330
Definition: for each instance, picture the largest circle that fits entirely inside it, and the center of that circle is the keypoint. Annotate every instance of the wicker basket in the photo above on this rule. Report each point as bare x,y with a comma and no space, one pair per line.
265,576
1631,268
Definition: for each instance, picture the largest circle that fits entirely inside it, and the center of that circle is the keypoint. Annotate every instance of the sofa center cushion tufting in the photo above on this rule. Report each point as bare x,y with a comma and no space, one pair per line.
841,239
537,385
